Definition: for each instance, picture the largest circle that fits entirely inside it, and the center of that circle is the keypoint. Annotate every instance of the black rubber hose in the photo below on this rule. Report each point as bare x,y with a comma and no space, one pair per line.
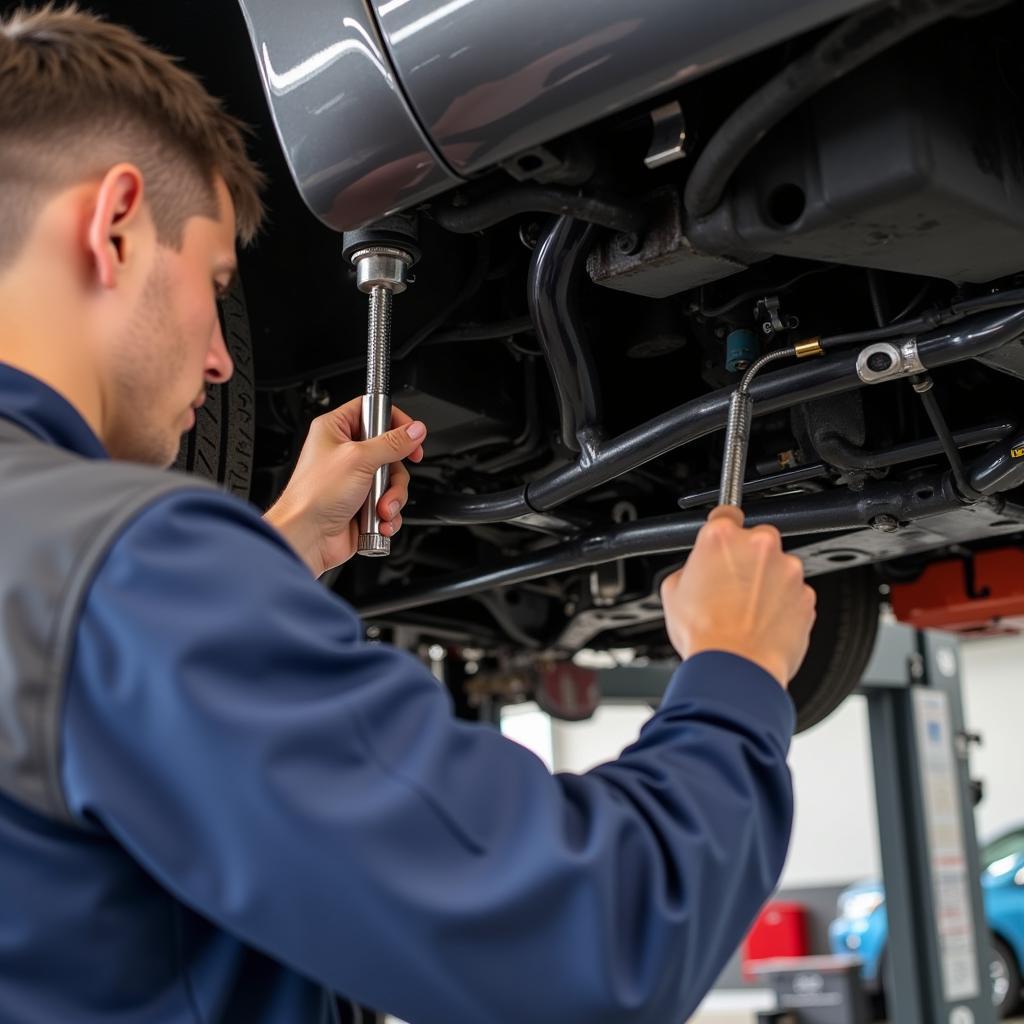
485,212
855,41
838,452
552,288
923,386
768,289
926,321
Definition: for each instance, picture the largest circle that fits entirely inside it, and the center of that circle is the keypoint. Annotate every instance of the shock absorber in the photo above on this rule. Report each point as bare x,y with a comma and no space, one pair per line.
382,255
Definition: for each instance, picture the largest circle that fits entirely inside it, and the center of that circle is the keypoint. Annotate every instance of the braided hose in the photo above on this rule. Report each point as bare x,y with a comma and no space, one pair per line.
737,431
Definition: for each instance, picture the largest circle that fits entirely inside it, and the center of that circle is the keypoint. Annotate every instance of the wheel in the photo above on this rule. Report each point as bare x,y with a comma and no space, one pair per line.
220,446
841,644
1006,981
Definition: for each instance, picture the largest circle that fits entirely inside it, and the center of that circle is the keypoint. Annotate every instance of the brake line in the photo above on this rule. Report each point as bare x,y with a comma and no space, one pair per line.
923,384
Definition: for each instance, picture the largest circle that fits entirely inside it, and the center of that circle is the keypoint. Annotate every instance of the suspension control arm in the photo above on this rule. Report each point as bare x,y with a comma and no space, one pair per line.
771,392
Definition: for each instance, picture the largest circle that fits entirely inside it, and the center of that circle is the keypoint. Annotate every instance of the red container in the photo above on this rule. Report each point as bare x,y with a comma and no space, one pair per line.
779,931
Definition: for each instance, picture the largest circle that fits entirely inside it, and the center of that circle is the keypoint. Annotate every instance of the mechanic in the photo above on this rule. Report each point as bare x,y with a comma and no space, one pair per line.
218,802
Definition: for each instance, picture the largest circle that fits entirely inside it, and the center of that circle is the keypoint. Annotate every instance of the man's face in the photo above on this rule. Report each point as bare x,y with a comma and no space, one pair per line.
172,348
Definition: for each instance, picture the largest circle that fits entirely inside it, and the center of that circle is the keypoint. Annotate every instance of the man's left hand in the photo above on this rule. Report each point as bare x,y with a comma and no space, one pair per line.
317,512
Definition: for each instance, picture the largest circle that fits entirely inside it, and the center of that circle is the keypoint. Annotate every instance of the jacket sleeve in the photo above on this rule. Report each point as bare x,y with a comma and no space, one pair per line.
312,793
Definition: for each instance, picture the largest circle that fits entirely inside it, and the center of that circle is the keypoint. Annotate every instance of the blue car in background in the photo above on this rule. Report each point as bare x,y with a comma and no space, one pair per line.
862,926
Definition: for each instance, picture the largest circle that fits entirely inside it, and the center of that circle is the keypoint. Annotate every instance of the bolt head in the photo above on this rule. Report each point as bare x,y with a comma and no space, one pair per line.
627,242
885,524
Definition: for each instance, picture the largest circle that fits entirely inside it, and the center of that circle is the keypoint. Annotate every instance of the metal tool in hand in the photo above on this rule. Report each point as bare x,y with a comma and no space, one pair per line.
741,412
381,272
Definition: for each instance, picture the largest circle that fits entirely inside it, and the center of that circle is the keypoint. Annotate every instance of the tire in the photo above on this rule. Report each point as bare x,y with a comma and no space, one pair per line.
1005,974
220,446
841,644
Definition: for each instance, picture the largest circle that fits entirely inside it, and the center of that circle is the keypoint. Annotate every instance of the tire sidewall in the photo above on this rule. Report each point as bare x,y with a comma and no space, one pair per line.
1000,952
221,445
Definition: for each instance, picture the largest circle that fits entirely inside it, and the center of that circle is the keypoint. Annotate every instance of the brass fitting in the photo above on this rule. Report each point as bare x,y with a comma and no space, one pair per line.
810,347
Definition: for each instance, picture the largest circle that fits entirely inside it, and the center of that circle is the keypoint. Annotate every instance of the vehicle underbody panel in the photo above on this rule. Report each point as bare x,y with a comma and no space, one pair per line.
618,211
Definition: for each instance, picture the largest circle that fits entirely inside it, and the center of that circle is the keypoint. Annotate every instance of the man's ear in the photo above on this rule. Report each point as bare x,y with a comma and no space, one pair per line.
117,213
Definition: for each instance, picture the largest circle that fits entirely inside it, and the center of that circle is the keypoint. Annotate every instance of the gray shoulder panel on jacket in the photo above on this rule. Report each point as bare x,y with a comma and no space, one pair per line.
60,515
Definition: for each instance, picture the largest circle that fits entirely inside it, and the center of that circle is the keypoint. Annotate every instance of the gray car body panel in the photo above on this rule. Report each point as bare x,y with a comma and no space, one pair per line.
379,112
354,147
490,78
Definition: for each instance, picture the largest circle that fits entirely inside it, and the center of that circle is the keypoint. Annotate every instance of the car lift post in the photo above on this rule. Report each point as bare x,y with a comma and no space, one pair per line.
936,965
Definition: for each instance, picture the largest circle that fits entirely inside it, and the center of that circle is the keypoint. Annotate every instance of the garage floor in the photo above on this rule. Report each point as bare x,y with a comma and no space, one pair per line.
742,1008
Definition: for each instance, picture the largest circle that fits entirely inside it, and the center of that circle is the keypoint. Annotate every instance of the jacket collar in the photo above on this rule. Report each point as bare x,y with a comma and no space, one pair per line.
36,407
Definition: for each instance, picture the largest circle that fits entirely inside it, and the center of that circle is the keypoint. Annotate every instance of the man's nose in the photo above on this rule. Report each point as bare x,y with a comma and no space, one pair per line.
219,365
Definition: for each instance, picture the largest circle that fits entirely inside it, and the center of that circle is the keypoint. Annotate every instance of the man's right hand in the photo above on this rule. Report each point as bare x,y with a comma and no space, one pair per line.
739,593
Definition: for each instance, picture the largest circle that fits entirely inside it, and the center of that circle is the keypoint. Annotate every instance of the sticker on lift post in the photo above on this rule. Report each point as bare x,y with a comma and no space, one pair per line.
1017,453
944,827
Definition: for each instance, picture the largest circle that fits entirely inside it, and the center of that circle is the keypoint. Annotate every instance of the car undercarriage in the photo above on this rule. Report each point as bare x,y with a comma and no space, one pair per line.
582,310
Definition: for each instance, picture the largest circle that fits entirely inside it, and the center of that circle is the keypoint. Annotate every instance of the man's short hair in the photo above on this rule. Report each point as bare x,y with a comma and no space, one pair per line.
79,95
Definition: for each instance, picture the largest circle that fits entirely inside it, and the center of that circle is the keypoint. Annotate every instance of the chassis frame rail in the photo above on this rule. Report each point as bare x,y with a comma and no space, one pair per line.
884,520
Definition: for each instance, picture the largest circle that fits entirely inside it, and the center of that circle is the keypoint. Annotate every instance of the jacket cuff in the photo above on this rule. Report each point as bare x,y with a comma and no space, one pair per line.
752,695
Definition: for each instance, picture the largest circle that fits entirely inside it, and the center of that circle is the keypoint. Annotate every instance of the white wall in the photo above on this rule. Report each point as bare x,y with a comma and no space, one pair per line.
580,746
835,831
835,835
993,684
531,728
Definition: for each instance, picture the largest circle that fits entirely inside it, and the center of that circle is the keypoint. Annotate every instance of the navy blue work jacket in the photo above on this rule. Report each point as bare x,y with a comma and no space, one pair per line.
274,810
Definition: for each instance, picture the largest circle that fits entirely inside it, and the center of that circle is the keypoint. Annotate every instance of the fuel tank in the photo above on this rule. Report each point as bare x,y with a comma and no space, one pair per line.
382,104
